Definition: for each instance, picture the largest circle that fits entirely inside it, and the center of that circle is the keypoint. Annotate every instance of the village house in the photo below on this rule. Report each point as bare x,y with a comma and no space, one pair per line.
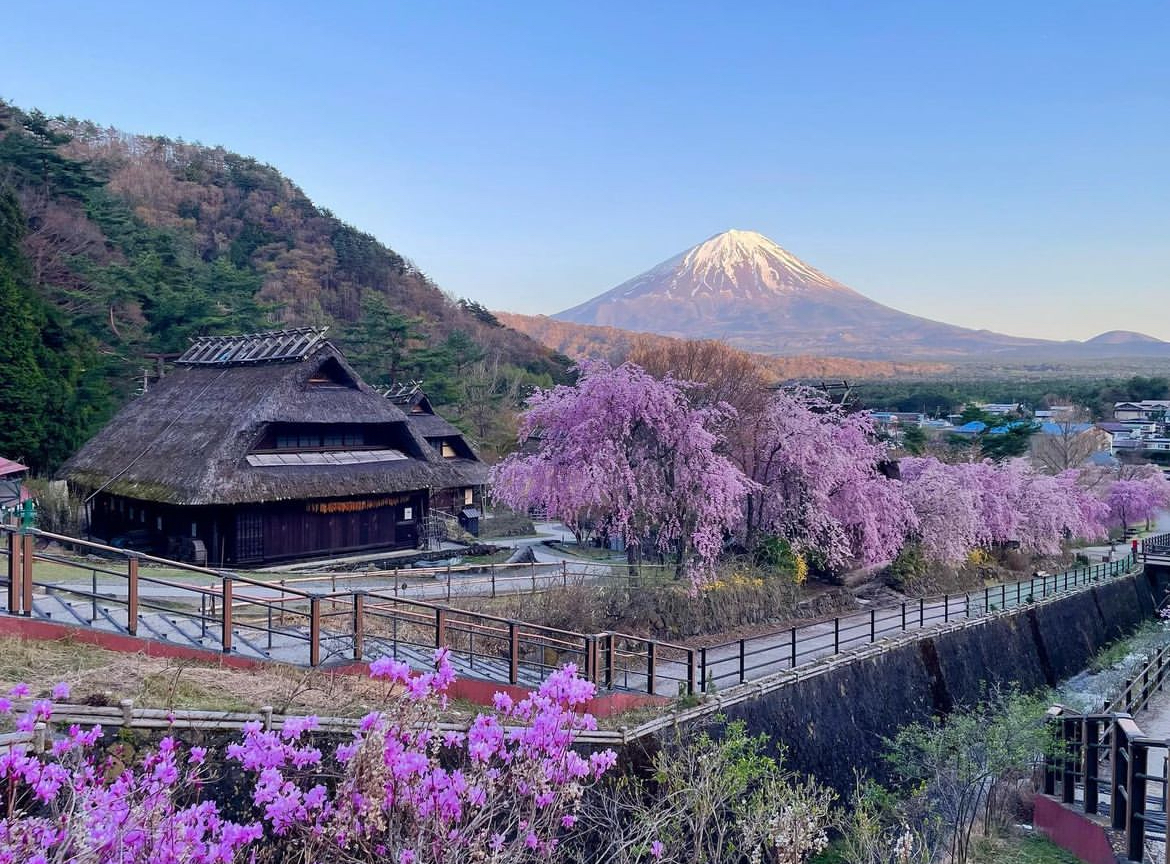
1151,410
261,448
463,502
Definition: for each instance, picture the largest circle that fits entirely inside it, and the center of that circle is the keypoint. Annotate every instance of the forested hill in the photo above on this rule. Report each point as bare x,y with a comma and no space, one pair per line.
116,247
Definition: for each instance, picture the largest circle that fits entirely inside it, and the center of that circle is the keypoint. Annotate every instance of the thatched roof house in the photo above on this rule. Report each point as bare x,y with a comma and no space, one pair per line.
461,500
260,448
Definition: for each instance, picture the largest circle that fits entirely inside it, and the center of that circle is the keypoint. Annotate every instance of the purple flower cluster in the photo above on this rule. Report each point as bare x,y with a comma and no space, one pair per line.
72,805
402,790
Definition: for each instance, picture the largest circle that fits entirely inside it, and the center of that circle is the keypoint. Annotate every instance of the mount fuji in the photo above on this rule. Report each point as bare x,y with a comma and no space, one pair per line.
743,288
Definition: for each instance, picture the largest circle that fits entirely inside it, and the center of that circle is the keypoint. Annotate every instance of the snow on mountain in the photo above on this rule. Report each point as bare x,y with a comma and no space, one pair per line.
744,288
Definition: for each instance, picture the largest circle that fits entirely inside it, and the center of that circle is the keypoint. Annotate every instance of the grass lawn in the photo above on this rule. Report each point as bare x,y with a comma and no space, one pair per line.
81,570
1029,849
1014,849
590,553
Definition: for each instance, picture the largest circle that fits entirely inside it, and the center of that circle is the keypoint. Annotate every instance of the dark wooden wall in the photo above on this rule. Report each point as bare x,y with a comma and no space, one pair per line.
251,534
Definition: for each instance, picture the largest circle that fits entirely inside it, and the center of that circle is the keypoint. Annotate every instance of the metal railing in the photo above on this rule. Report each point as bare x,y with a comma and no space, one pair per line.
239,614
245,615
1103,761
739,661
1155,546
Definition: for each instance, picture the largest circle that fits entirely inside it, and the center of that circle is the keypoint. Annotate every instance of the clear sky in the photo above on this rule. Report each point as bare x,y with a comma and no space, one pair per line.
990,164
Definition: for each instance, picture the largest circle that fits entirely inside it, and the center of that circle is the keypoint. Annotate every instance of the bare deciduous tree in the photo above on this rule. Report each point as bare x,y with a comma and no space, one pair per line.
1069,444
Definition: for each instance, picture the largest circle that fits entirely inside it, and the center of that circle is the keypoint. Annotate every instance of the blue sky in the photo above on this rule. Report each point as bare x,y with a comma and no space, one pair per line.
990,164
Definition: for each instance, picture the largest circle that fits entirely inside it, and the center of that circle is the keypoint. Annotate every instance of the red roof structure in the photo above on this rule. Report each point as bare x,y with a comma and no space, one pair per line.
7,466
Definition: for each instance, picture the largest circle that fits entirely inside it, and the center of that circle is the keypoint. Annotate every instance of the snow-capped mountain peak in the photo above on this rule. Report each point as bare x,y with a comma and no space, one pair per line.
741,287
731,268
746,263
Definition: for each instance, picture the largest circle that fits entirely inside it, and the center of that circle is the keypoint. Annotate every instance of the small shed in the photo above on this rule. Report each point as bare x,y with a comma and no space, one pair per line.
468,473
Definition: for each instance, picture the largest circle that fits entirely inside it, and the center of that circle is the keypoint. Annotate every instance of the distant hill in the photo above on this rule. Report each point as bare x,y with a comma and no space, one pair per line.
615,345
1123,337
125,246
743,288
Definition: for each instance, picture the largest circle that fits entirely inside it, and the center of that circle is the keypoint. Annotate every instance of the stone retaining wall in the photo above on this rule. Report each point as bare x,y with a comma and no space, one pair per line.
834,721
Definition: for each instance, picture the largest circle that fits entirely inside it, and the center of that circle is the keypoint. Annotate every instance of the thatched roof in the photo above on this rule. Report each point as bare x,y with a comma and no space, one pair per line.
186,441
433,426
413,400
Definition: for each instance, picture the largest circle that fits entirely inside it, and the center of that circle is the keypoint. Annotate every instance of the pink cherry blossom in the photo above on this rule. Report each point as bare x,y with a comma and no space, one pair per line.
627,452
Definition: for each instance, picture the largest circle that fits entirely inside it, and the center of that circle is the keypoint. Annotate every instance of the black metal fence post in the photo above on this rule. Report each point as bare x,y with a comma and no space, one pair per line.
1135,821
1090,741
1068,775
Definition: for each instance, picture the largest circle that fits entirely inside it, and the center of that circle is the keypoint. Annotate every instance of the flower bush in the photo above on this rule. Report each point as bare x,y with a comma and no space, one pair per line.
403,790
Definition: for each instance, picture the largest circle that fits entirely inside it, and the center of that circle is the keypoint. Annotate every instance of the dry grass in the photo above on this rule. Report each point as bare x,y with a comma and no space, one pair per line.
102,676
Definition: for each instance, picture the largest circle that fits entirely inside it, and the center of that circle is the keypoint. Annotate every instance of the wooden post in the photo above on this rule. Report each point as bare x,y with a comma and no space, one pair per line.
792,646
921,612
226,615
609,660
742,661
513,653
27,556
872,625
837,635
314,631
651,656
15,573
903,616
132,595
946,608
359,623
440,626
691,671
